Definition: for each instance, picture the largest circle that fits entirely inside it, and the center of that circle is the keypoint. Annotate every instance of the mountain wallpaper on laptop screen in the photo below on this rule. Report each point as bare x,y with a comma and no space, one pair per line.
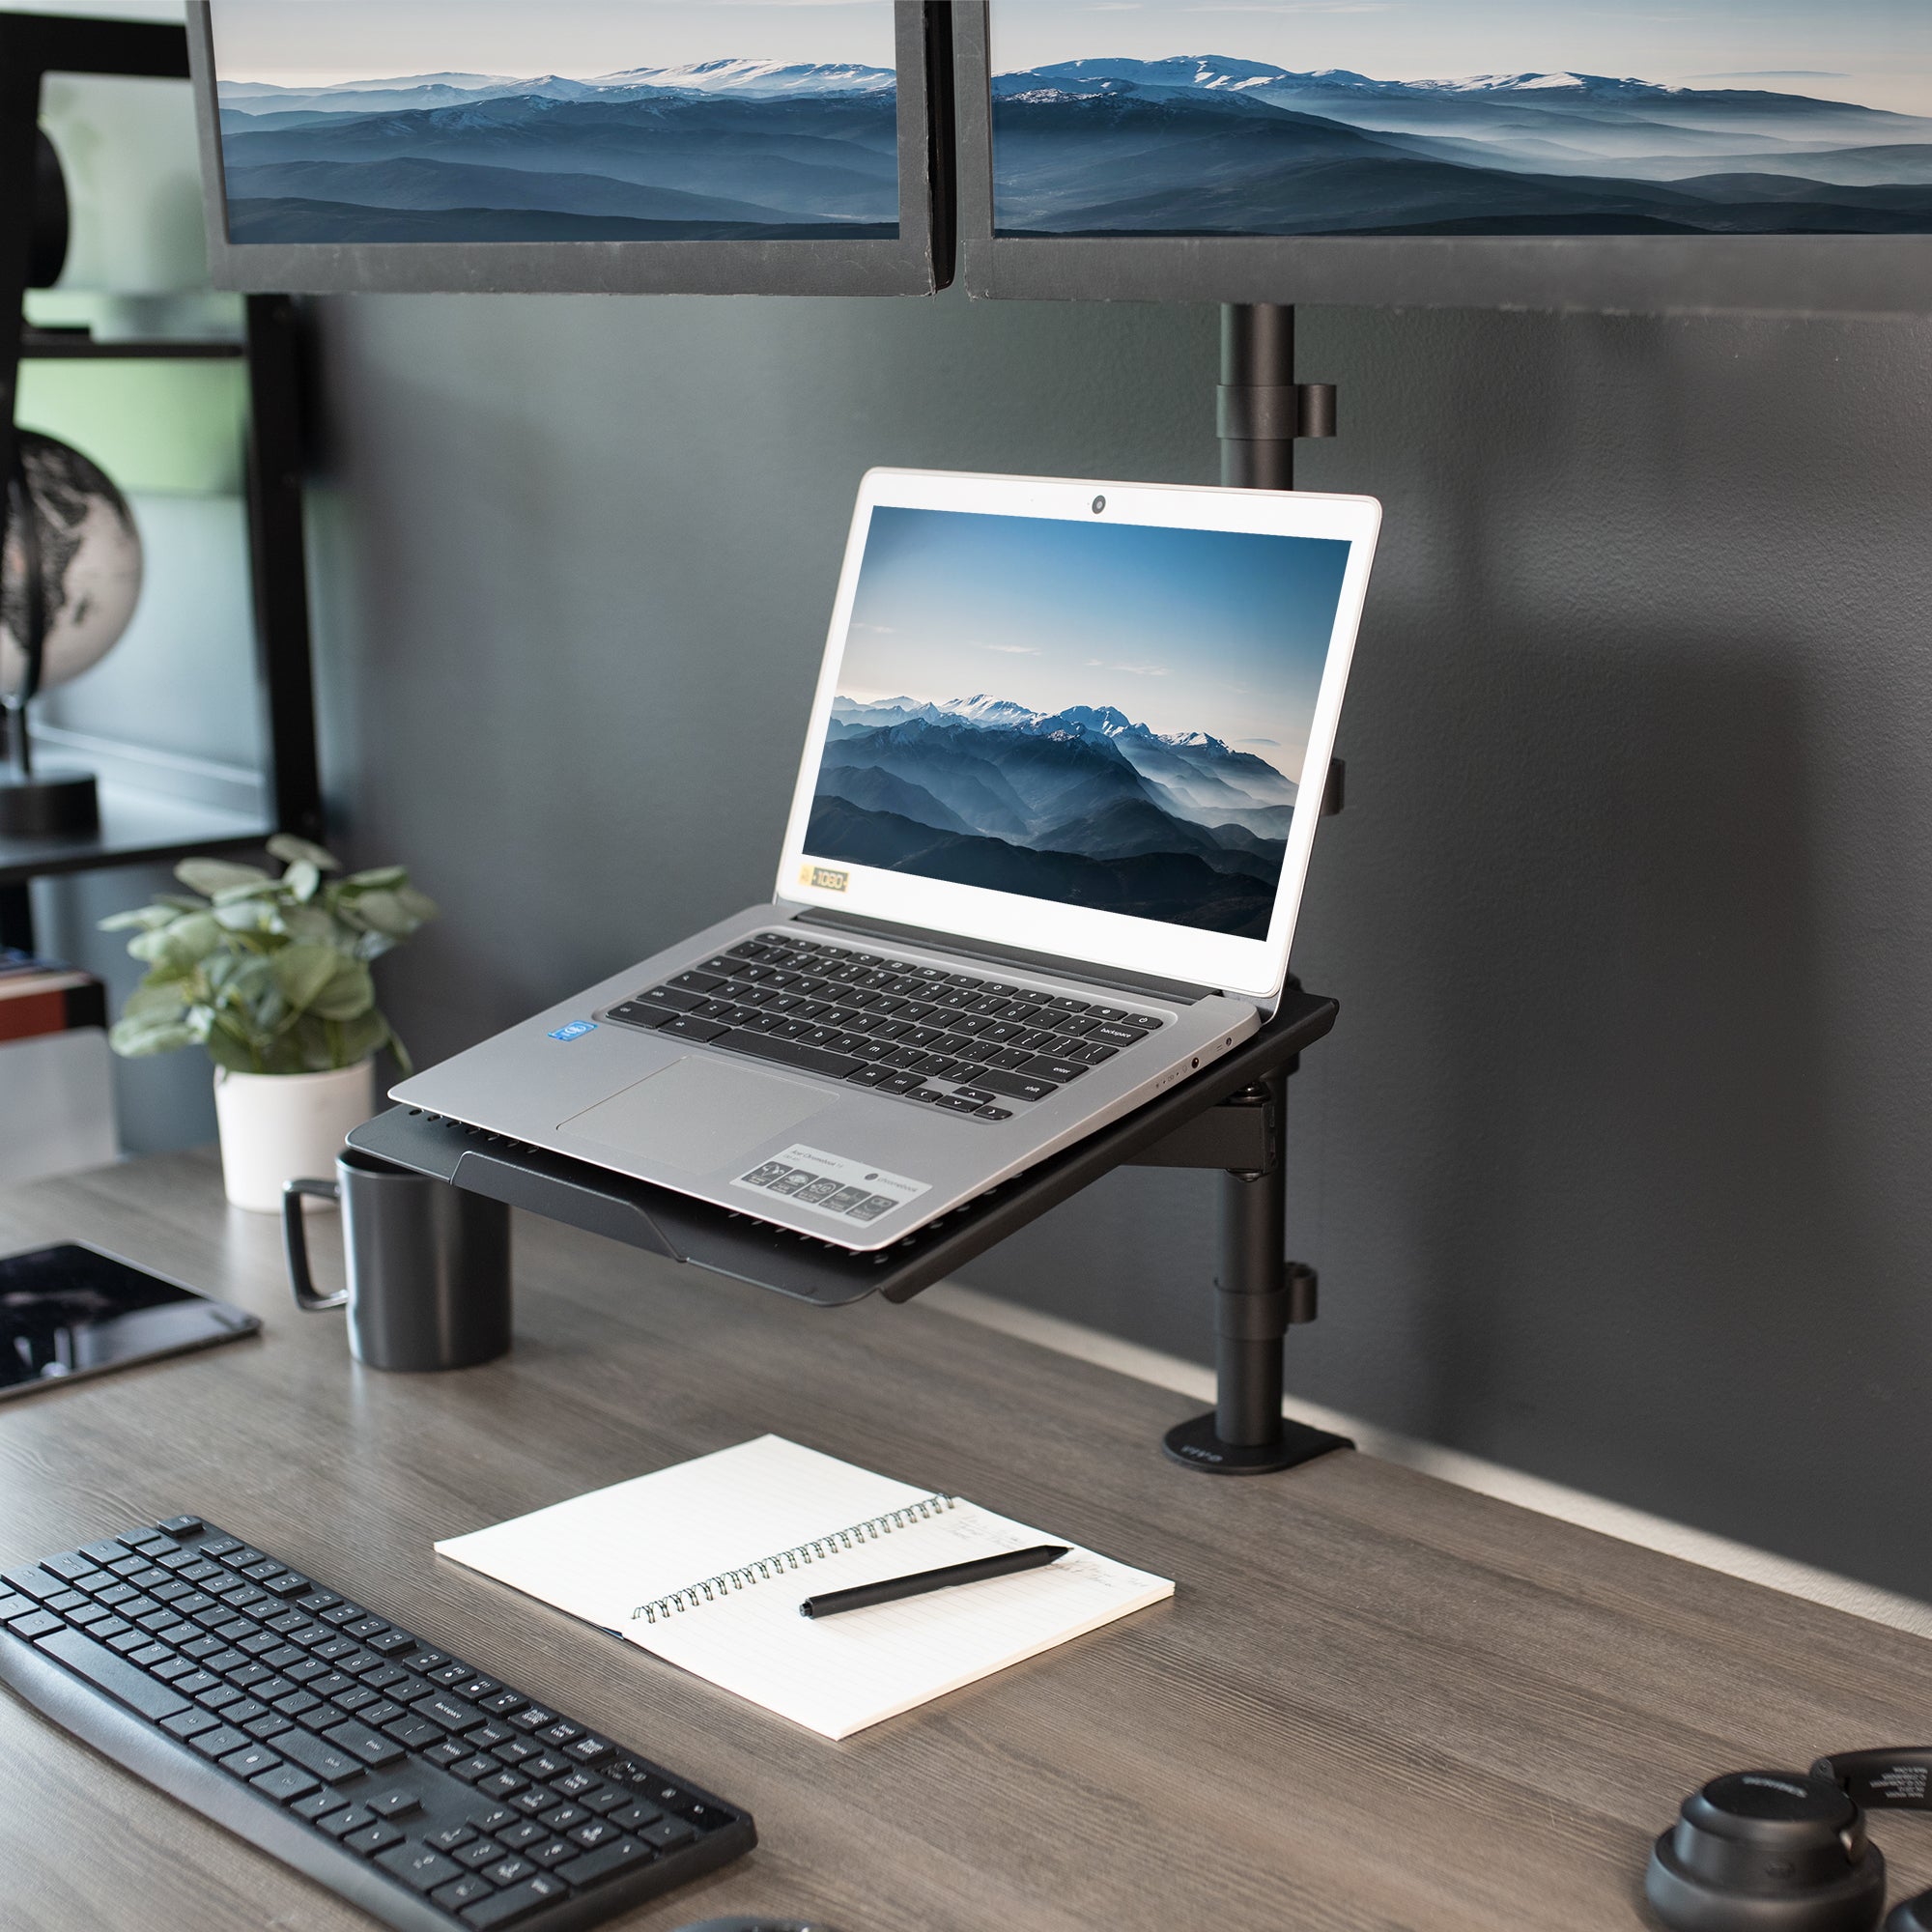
1728,118
1025,788
569,121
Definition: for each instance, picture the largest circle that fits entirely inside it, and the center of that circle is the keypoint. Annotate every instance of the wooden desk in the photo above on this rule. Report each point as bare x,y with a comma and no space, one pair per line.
1375,1702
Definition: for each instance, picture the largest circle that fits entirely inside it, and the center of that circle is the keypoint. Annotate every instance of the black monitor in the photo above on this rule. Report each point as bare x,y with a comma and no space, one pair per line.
1488,154
771,147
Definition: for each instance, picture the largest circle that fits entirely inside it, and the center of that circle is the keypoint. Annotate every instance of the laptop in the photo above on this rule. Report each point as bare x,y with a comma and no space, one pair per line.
1054,812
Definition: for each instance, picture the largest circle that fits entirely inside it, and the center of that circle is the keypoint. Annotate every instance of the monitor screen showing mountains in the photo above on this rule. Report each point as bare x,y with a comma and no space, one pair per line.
1093,714
1493,118
570,121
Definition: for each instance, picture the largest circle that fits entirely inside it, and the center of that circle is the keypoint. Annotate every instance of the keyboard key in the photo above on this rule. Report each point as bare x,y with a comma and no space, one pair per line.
453,1837
374,1838
552,1851
191,1722
285,1783
394,1804
691,1027
523,1835
219,1742
507,1907
35,1624
339,1824
442,1707
667,1833
328,1762
1056,1071
370,1746
461,1892
601,1864
1017,1086
318,1804
418,1733
480,1853
418,1866
788,1053
251,1760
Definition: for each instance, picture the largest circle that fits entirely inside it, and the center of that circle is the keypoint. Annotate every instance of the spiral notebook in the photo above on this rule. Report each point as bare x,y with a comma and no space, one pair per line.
705,1565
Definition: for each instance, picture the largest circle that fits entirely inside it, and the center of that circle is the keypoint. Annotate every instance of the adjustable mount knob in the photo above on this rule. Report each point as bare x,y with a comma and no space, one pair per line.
1767,1851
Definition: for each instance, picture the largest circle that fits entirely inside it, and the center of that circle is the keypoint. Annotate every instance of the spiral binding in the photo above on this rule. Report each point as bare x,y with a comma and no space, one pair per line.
787,1560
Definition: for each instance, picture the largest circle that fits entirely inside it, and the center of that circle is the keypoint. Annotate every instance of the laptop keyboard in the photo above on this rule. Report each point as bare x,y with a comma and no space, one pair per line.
973,1046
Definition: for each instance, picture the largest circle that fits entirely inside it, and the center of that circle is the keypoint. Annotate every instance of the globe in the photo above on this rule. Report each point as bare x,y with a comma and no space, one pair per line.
89,564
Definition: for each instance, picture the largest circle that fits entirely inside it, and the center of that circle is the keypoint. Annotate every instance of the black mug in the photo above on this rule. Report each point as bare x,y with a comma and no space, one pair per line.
429,1265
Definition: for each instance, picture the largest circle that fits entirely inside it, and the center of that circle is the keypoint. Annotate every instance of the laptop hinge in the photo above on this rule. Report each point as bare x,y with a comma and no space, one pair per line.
983,951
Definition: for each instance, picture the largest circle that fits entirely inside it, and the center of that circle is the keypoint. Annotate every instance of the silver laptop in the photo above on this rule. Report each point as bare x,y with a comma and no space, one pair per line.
1052,821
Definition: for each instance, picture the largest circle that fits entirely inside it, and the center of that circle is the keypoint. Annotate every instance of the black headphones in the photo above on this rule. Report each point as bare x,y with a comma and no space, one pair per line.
1786,1851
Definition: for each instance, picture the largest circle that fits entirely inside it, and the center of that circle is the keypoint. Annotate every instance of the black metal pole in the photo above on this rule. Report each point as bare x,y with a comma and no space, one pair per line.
1259,1293
1250,1318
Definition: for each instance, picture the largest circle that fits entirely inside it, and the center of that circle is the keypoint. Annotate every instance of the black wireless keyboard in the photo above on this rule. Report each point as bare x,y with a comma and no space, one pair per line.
420,1789
946,1040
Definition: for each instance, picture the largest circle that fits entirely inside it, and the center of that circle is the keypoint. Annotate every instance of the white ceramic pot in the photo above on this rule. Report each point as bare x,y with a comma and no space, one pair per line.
277,1125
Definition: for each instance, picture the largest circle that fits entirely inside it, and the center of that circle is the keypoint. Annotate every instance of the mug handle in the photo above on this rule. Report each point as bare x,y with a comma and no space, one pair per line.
295,1241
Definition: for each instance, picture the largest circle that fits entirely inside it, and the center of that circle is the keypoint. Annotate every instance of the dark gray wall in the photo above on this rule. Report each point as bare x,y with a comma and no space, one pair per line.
1617,1168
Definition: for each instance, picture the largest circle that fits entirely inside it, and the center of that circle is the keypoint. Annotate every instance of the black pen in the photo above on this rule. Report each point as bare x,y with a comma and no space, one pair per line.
918,1584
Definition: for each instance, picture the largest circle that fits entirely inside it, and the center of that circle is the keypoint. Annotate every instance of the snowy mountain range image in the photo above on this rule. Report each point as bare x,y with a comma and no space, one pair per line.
1082,806
705,150
1212,145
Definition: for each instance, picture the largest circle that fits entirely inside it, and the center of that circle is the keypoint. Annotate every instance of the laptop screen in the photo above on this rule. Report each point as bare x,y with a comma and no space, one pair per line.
1109,716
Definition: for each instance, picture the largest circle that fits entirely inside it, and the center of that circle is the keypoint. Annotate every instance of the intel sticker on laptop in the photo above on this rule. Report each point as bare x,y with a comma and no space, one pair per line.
575,1030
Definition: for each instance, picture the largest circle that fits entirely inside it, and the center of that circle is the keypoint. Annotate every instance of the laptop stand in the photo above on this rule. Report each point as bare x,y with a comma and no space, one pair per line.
1229,1115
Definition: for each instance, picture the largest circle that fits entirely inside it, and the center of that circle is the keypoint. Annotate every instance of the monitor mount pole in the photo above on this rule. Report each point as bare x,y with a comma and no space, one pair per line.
1258,1295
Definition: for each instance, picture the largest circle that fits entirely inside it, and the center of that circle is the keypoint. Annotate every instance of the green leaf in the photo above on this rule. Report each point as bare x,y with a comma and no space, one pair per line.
181,901
214,875
301,879
229,1050
419,906
136,1039
384,912
356,1040
302,972
147,917
349,993
245,915
180,946
153,1003
382,875
292,851
262,888
311,925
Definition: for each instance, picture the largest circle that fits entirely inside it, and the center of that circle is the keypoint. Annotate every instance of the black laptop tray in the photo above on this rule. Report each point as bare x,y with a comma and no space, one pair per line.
662,1222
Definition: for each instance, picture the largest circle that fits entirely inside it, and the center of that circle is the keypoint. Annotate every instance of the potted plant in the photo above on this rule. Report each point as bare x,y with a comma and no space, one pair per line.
271,976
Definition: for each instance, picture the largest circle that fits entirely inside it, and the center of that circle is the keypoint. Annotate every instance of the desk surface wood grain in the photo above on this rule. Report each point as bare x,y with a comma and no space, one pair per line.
1374,1702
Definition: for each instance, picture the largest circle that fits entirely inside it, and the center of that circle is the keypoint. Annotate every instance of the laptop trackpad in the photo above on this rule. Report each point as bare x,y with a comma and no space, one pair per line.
698,1113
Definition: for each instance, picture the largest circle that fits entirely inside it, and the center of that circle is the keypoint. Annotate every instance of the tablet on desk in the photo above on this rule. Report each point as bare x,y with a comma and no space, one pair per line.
69,1311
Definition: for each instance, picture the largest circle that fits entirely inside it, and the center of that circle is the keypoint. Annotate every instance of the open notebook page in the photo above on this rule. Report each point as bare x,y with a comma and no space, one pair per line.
600,1555
838,1674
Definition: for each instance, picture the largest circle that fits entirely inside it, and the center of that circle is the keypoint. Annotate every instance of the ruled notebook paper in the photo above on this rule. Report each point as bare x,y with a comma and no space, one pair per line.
757,1510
